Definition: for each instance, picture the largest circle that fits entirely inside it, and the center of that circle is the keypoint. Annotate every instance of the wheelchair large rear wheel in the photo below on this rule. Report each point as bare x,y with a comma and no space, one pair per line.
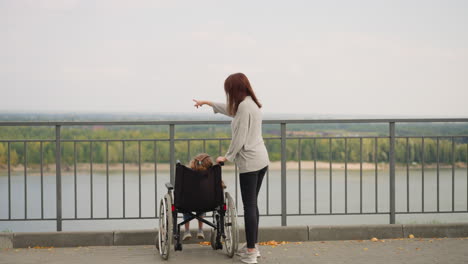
231,230
164,239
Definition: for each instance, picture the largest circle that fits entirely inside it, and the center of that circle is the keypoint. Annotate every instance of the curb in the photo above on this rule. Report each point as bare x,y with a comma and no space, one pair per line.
289,233
63,239
354,232
437,230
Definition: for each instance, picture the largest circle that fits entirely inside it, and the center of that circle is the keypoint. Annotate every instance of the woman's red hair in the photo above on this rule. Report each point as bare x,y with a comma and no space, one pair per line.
237,87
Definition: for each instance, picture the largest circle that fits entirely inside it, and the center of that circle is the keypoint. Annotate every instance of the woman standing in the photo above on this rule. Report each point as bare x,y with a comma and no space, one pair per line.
247,150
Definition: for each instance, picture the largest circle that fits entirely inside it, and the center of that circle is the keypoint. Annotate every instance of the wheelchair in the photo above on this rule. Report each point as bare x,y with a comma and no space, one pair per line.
197,191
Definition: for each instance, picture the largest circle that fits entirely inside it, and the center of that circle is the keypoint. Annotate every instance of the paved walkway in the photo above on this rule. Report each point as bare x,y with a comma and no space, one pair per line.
445,250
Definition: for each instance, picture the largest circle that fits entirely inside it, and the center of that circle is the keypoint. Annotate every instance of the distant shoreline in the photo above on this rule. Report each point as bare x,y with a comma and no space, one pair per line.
276,165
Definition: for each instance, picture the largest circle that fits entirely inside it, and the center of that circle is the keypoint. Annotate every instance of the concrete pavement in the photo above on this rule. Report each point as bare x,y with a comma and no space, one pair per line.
417,250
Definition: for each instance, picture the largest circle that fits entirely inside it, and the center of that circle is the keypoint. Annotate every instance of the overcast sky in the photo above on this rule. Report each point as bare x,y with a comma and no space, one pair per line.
405,58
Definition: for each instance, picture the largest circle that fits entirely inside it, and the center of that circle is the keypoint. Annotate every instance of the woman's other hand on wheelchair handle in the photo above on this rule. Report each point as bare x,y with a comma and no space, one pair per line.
221,160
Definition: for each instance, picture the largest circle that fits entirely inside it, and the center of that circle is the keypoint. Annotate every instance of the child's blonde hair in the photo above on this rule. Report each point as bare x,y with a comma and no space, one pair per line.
201,162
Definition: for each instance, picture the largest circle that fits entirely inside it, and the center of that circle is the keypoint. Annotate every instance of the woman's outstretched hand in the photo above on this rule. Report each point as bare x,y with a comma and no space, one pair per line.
199,103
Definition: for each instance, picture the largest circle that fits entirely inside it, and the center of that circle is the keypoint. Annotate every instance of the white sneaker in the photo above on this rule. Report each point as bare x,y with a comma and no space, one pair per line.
243,249
200,234
249,257
186,236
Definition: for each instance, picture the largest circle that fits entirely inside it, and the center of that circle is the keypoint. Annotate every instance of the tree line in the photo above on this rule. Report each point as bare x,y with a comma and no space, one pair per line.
337,150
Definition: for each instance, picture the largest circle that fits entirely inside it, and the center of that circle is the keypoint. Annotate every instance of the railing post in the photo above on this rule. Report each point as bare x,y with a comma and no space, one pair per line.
58,175
392,172
172,153
283,174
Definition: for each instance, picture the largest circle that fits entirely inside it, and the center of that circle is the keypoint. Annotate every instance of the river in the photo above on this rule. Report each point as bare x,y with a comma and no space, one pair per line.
306,192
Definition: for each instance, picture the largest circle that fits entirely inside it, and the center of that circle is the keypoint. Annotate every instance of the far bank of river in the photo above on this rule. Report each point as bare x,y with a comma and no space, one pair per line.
34,169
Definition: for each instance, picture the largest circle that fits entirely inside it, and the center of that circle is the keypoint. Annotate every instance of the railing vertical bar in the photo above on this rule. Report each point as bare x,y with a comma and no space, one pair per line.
58,174
422,175
91,176
25,159
268,192
267,187
172,152
188,151
41,150
204,146
407,174
376,142
107,179
155,181
453,174
299,168
315,175
9,180
123,179
139,178
360,175
346,174
331,180
75,188
283,175
438,174
392,172
219,147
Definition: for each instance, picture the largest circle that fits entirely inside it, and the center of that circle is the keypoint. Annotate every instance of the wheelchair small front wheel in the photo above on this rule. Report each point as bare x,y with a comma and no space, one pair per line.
231,230
164,238
213,238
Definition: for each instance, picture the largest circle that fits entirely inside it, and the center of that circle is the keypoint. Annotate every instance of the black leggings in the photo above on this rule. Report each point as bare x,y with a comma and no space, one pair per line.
250,183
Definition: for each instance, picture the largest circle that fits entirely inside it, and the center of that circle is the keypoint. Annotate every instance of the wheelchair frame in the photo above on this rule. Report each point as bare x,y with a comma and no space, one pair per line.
223,228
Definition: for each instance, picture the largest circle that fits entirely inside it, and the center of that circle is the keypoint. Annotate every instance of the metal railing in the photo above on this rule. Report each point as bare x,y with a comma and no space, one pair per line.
283,138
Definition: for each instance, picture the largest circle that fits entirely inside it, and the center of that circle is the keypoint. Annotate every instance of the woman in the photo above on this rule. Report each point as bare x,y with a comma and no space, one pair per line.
247,150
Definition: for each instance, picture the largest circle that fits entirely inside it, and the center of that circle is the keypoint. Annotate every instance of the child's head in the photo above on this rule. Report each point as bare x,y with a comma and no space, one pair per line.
201,162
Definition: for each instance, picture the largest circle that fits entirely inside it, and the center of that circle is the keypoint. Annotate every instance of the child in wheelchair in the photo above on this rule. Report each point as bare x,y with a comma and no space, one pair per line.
200,162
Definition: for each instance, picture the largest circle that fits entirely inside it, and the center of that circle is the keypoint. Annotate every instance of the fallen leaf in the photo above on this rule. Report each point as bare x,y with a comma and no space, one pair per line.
298,243
382,241
205,243
316,254
418,249
38,247
365,249
374,239
411,236
273,243
431,241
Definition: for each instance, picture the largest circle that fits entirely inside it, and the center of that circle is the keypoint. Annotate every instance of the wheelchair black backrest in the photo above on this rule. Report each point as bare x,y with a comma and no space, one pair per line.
198,191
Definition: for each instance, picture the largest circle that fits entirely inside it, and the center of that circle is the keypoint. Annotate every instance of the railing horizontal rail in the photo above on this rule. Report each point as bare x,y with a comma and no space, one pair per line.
223,122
